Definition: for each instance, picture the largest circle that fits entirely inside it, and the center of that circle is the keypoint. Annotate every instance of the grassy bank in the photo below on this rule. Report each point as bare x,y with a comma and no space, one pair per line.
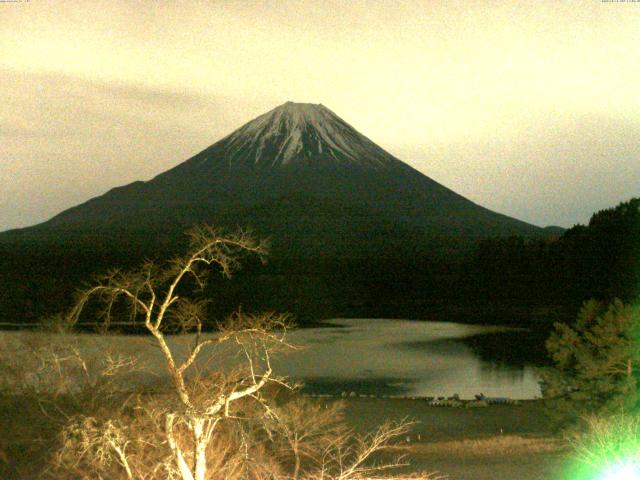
499,441
463,443
445,423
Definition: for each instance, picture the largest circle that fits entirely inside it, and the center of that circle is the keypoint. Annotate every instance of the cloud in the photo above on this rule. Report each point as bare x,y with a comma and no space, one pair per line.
65,139
559,170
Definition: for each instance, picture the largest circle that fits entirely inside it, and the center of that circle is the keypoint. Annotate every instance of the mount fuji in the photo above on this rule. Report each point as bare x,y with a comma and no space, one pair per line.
324,194
294,170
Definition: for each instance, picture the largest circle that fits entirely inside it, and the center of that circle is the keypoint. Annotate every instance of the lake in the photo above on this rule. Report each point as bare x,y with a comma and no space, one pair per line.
364,356
414,358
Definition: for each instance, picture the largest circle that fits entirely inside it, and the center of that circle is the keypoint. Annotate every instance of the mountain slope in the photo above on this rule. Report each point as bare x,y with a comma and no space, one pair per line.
354,231
295,153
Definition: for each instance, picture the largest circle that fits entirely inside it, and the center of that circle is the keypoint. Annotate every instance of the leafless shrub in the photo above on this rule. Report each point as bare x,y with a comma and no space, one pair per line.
215,418
301,430
153,297
49,381
349,456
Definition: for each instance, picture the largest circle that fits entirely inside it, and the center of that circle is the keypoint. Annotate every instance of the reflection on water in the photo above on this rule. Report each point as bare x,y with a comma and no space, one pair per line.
372,357
515,347
413,358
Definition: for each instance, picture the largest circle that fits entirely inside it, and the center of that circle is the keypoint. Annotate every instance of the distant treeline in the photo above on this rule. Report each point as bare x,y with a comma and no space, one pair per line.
501,280
600,260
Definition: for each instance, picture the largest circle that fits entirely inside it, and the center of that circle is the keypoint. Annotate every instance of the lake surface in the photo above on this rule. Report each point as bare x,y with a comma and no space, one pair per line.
415,358
364,356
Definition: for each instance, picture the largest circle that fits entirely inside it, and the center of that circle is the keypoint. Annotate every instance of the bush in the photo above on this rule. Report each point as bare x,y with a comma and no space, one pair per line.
596,364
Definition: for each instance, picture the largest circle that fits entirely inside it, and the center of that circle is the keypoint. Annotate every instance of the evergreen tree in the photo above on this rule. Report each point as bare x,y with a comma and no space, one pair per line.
596,367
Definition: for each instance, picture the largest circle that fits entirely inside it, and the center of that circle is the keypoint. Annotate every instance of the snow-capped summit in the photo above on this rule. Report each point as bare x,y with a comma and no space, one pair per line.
297,134
301,173
329,199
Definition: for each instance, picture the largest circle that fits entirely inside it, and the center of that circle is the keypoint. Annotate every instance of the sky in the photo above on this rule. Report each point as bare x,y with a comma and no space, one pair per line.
528,108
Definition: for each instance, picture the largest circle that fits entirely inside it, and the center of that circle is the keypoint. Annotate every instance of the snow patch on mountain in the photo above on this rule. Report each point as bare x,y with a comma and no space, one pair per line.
300,134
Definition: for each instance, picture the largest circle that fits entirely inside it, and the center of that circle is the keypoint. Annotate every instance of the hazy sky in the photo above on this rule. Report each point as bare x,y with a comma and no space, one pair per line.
529,108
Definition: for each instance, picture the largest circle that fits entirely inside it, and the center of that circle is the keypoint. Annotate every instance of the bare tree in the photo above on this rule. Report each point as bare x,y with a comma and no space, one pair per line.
349,456
218,419
303,429
153,298
49,380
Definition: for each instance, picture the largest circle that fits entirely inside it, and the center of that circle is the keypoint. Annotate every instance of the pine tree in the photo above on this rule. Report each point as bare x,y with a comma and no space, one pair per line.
596,367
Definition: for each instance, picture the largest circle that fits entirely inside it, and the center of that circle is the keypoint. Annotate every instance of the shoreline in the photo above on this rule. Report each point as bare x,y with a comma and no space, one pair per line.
498,441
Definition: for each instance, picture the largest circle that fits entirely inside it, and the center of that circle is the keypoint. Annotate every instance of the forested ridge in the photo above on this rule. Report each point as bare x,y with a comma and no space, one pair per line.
513,279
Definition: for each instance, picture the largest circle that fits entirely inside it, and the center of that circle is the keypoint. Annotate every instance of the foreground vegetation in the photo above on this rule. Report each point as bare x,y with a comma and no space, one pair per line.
220,413
592,389
595,365
513,280
457,443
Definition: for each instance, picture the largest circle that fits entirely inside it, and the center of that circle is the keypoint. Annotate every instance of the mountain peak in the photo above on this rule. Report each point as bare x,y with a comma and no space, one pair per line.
300,105
297,115
294,135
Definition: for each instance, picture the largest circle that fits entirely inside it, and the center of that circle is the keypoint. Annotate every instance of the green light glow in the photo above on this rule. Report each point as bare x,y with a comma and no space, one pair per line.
608,450
625,470
614,469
